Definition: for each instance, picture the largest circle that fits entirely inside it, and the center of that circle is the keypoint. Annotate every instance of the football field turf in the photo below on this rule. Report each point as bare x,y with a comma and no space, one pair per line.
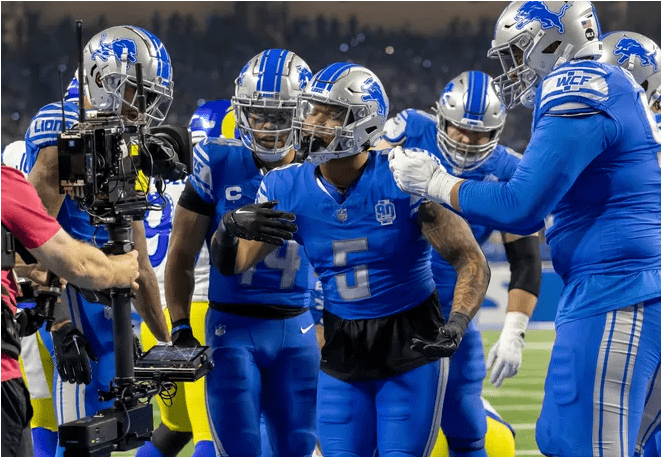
518,401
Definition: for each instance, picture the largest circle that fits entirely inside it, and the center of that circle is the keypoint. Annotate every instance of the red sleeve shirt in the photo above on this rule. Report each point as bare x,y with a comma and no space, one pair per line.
25,216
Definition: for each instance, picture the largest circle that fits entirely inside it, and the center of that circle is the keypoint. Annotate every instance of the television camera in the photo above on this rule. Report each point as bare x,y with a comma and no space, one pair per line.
105,163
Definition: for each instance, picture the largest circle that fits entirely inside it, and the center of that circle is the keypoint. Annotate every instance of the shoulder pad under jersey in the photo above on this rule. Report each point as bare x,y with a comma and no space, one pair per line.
405,124
576,88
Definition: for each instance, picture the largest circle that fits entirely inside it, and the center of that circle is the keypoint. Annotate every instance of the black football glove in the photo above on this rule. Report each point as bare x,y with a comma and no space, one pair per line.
260,222
182,334
72,354
29,321
448,339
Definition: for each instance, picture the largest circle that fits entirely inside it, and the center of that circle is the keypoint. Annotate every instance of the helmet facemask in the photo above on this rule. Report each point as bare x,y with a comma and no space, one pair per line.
469,120
321,144
265,125
462,156
122,97
518,82
264,102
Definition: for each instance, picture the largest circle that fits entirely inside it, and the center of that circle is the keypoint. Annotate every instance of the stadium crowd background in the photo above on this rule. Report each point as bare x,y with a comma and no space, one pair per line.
208,45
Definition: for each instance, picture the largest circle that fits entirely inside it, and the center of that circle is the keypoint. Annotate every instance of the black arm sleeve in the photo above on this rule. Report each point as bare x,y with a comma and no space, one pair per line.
190,200
525,264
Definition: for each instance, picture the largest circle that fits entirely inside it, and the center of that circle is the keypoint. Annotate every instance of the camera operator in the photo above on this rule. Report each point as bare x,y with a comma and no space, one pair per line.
24,216
110,85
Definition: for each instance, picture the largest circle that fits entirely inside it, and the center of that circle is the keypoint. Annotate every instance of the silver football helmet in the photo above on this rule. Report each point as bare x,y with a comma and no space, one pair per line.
358,96
266,90
109,60
638,54
469,102
533,38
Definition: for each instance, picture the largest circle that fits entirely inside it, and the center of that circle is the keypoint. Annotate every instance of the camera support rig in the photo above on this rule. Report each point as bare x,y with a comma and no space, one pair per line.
128,423
101,173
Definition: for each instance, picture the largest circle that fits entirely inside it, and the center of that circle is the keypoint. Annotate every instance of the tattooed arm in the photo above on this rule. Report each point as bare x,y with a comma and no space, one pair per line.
453,239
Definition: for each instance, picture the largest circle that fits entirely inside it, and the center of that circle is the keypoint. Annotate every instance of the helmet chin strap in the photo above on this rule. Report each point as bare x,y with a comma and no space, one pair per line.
564,57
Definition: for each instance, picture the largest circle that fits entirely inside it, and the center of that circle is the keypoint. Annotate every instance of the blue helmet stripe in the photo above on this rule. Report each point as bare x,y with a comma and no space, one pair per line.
329,75
476,96
281,66
262,64
164,66
270,70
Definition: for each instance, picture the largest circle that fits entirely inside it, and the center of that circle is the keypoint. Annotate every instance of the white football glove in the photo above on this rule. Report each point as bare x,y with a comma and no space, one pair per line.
419,173
504,358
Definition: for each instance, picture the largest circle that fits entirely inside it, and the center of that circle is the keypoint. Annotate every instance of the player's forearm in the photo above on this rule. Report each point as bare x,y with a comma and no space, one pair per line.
453,239
148,305
179,285
521,301
473,276
505,206
44,176
189,230
559,150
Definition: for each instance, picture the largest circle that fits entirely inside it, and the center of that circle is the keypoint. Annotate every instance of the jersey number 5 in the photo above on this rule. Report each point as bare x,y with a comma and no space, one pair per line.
361,289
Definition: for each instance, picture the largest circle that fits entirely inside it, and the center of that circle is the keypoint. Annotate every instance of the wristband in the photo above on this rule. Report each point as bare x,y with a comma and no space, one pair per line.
181,324
439,187
515,324
460,319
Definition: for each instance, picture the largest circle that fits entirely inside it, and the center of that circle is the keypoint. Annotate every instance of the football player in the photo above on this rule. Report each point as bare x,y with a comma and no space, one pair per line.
464,136
179,421
258,324
642,57
593,161
110,85
384,361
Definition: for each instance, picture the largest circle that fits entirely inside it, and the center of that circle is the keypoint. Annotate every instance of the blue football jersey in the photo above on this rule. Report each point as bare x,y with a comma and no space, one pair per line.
368,251
417,129
601,180
225,176
42,132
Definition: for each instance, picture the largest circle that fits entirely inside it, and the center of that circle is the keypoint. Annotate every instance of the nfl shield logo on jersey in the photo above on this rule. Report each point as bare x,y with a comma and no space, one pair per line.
341,215
385,212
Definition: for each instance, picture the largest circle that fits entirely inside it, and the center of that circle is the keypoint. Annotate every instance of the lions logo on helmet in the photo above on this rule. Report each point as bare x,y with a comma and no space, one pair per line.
640,56
119,48
538,11
110,58
304,76
354,90
532,38
264,101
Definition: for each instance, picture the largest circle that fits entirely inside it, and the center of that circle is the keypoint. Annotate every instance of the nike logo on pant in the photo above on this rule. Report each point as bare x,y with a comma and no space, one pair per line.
306,329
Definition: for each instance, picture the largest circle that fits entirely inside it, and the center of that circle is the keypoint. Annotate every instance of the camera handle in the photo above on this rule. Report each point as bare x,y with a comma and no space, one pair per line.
120,241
